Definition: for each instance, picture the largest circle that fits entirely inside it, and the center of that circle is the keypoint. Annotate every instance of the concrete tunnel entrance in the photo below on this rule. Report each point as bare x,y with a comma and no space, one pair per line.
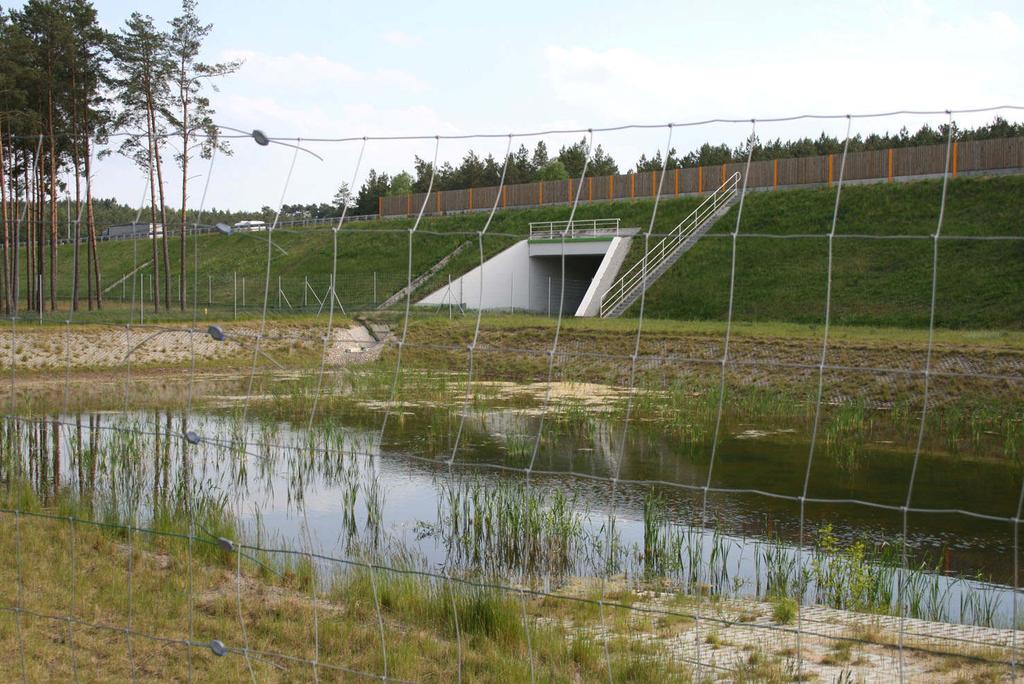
528,276
546,282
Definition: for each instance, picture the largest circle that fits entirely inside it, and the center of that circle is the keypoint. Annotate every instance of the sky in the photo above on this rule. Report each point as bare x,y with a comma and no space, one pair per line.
330,69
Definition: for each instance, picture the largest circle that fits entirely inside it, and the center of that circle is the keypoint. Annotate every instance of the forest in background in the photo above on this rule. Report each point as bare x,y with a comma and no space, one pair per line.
71,92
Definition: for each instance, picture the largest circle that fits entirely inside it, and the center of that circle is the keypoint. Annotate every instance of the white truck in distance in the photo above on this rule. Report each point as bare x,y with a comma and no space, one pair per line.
250,226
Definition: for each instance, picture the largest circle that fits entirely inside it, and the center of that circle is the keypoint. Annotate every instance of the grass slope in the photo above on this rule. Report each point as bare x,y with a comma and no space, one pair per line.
886,282
779,276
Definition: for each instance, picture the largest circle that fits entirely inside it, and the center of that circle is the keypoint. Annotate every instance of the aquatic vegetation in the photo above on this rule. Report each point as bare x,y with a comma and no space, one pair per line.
506,528
135,469
784,610
851,576
847,431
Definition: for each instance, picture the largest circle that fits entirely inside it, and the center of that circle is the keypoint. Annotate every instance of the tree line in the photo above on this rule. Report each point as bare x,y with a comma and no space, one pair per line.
110,211
70,92
473,171
525,167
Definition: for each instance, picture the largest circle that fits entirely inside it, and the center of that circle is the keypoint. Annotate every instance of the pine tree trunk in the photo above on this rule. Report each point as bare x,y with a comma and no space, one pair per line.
77,237
184,194
163,218
15,236
27,213
53,212
152,225
30,235
94,264
76,160
6,224
40,242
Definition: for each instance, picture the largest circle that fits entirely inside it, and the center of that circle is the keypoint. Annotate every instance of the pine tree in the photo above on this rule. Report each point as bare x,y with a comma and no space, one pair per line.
194,116
143,66
87,56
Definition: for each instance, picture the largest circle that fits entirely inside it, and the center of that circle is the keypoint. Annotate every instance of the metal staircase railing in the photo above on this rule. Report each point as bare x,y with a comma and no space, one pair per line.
553,230
667,246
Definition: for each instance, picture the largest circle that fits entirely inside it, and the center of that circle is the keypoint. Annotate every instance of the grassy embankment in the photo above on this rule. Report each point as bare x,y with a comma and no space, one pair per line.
875,282
107,577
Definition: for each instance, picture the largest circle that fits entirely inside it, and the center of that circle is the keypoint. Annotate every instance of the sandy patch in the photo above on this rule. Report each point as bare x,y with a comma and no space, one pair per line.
835,645
118,346
589,394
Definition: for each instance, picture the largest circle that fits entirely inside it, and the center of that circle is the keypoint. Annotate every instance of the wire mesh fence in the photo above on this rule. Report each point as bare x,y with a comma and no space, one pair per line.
436,491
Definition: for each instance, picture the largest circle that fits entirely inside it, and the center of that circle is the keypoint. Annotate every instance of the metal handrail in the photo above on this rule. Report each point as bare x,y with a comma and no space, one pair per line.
545,230
657,254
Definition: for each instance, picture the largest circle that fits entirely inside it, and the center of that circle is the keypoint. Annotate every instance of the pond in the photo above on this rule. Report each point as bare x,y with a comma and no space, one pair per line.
342,492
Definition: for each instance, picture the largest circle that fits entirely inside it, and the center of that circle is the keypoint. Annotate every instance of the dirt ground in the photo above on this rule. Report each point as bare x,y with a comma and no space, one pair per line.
742,639
107,347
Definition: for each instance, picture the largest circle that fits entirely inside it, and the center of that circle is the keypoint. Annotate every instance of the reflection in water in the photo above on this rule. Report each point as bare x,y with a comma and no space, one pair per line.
359,497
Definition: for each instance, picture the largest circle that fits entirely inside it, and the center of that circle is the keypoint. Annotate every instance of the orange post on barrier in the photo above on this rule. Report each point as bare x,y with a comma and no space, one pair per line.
568,196
408,204
632,186
590,189
889,172
504,196
775,174
700,179
830,170
471,198
954,160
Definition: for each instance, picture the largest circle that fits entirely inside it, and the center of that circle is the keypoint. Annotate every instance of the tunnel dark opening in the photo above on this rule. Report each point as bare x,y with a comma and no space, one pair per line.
546,282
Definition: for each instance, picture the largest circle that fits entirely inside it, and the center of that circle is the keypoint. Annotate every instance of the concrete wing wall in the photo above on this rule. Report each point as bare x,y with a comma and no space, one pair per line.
504,279
605,276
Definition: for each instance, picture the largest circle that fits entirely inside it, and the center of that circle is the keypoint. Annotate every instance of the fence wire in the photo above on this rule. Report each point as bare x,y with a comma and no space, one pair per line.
320,491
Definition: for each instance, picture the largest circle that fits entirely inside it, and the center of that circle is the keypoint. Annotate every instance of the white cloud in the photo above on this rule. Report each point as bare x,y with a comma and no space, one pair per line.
298,94
900,57
402,79
623,84
401,39
258,173
354,119
295,68
313,74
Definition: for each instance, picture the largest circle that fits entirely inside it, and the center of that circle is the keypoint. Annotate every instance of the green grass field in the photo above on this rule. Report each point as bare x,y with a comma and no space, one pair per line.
781,257
874,282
